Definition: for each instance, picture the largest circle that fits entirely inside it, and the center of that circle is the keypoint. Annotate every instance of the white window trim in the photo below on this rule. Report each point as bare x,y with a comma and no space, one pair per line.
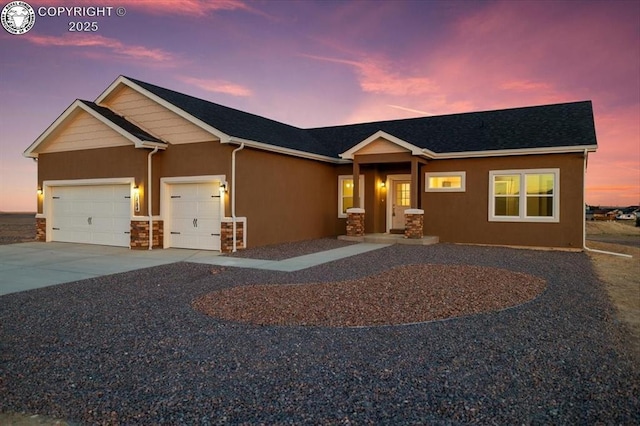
360,191
463,183
522,217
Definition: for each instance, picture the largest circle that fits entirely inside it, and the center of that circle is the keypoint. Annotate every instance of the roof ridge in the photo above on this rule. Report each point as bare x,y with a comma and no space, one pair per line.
396,120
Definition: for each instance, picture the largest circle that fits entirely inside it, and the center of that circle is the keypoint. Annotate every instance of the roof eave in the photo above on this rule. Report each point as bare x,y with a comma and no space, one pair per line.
287,151
509,152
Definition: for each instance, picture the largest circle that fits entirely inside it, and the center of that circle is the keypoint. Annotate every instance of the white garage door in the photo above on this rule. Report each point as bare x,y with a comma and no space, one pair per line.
195,215
95,214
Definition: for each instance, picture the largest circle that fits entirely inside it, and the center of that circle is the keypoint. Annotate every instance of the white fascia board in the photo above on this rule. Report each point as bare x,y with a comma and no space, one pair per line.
286,151
171,107
348,155
29,152
509,152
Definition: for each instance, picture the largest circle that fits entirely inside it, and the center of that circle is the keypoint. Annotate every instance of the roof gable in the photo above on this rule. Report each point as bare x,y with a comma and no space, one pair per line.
85,125
381,143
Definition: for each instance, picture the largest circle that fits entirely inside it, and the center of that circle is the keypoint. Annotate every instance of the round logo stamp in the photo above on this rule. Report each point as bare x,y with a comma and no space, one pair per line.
18,17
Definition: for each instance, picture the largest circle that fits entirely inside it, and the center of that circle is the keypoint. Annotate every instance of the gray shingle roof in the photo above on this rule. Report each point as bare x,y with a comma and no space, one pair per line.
122,122
547,126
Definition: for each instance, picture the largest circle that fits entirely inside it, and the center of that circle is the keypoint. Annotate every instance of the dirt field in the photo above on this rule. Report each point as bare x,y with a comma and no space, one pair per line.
17,227
621,275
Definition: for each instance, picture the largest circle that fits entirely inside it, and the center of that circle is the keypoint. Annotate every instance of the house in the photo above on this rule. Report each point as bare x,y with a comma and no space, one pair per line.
143,163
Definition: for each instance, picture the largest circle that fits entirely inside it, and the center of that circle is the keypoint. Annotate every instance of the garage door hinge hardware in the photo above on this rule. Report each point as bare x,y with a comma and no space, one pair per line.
175,233
56,198
216,235
215,196
56,229
176,196
127,196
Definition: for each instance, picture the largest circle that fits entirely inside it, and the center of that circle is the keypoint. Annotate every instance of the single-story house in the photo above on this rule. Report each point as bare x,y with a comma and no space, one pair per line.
145,164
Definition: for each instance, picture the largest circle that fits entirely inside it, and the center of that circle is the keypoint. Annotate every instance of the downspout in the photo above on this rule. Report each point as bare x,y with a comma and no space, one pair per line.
149,203
233,195
584,222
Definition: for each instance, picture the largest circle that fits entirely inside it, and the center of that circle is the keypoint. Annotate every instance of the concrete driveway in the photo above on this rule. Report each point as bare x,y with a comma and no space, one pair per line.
27,266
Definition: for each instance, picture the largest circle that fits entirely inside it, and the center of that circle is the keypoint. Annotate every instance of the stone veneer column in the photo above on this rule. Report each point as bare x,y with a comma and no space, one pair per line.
41,229
139,238
226,235
413,223
355,222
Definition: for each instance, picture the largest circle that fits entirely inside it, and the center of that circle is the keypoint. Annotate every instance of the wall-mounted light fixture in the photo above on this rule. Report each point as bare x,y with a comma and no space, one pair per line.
383,185
39,190
136,199
223,187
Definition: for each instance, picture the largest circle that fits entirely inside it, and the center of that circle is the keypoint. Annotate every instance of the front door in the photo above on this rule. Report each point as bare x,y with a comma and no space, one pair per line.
401,200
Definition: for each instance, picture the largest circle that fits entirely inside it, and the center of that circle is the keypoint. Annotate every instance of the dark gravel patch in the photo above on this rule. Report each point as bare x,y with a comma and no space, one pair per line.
289,250
129,349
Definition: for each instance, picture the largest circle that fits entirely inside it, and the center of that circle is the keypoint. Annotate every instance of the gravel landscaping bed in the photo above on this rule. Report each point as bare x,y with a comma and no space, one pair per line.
130,349
402,295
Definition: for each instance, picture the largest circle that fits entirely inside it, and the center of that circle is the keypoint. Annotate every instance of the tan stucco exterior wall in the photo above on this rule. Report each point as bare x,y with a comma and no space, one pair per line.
124,161
284,198
287,198
462,217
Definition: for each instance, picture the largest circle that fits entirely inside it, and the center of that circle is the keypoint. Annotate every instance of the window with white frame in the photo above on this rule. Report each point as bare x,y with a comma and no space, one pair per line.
445,182
524,195
345,193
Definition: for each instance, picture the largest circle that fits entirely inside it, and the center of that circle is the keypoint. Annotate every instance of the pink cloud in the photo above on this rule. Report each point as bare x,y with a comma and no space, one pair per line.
375,77
116,47
525,86
218,86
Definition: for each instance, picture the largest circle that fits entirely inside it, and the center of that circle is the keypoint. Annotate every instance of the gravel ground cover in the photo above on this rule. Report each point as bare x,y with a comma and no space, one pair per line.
130,349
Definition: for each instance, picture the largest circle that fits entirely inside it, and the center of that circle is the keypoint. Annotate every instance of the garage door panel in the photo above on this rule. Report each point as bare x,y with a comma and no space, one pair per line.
92,214
195,215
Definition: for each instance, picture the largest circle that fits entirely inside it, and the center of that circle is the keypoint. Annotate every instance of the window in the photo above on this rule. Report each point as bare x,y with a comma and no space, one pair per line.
345,193
524,195
445,182
403,194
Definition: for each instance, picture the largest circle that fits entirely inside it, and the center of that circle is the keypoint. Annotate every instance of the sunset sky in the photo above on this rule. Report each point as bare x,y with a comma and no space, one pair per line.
322,63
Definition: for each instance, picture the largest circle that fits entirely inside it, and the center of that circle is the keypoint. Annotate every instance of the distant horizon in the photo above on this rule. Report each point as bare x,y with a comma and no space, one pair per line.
327,63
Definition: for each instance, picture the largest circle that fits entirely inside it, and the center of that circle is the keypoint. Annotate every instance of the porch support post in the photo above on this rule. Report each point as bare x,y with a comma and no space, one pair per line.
356,183
415,182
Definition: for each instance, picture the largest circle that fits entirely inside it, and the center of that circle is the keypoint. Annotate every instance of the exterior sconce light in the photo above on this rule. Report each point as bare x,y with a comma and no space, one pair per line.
136,199
223,187
383,185
39,191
